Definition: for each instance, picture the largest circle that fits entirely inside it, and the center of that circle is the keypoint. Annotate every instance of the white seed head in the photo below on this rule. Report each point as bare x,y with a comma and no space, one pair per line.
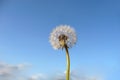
67,32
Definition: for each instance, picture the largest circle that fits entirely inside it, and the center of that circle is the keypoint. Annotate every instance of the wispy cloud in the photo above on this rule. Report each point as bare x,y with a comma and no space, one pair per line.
10,72
37,77
16,72
74,75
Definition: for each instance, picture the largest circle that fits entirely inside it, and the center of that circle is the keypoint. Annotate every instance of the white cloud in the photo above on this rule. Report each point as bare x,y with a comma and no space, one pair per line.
15,72
74,75
37,77
10,72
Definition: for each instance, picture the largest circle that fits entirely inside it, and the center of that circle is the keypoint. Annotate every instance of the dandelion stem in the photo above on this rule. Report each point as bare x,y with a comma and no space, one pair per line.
68,63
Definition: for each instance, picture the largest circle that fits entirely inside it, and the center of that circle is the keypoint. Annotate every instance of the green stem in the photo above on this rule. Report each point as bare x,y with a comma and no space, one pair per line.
68,64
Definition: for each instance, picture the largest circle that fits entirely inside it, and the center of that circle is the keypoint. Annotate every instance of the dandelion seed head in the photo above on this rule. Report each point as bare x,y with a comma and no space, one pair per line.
63,33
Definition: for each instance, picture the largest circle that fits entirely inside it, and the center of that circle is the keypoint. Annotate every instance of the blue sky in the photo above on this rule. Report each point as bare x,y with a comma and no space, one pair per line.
25,26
